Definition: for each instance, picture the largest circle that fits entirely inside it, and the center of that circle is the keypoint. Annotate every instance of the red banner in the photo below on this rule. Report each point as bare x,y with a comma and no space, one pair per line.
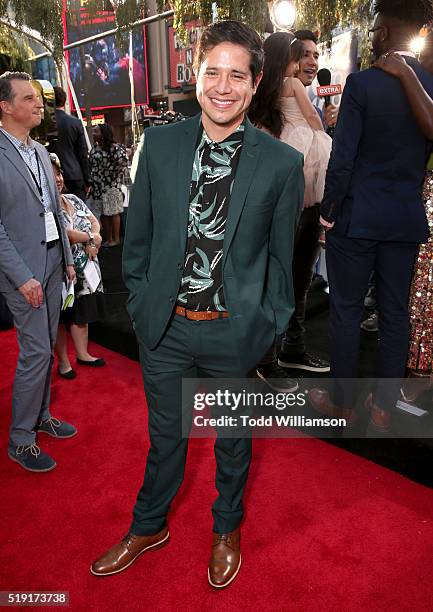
181,57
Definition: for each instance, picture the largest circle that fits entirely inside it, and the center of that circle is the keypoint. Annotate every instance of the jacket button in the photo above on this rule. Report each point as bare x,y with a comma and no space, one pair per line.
42,214
43,242
179,266
171,298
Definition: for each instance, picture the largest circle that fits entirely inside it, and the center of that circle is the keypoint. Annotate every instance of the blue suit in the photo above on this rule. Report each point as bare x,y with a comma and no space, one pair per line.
374,194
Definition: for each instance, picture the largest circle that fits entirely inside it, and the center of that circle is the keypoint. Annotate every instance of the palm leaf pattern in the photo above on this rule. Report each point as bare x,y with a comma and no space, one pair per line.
212,178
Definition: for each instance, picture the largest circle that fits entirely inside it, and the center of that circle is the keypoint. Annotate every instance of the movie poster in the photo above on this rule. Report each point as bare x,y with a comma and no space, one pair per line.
101,65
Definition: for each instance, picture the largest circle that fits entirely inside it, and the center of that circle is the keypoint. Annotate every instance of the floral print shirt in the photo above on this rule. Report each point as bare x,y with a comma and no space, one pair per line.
108,168
212,180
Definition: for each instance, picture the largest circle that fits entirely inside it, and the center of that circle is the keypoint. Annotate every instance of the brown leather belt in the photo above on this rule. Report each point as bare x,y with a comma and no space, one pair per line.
201,315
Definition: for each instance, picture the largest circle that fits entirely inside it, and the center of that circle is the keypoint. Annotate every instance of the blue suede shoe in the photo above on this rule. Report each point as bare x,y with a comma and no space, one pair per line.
57,429
31,458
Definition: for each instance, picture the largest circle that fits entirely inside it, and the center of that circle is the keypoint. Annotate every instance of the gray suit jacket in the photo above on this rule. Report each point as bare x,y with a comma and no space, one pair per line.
23,252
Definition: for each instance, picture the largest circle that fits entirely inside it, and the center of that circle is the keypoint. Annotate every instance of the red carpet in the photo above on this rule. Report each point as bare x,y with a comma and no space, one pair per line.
324,530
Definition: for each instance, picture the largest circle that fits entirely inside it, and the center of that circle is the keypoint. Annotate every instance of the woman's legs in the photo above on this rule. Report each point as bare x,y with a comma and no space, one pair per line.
107,228
115,229
80,336
61,350
111,228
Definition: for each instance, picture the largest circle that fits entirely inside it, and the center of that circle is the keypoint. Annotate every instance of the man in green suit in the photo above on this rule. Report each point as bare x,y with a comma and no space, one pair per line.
207,260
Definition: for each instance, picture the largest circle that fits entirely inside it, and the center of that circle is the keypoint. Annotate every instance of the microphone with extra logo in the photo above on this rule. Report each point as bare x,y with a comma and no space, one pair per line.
326,90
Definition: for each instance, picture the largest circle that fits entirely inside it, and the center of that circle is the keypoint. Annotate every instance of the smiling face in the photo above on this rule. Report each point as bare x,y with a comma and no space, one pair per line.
309,63
25,108
225,88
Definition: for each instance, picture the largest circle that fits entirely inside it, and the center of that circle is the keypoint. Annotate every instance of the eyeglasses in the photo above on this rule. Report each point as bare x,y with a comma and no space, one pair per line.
371,31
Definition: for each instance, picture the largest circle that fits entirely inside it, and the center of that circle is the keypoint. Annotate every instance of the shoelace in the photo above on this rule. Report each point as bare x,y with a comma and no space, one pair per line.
33,448
53,423
223,537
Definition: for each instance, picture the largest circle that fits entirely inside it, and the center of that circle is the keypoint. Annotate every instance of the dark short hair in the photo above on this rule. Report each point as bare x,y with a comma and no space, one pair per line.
233,32
60,95
415,13
306,35
6,91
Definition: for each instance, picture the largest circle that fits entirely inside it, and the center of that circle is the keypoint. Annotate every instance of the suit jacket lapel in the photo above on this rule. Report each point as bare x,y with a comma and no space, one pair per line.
244,175
17,161
186,151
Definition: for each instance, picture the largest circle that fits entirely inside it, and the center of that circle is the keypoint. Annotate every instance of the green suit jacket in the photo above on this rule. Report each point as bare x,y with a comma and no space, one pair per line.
257,264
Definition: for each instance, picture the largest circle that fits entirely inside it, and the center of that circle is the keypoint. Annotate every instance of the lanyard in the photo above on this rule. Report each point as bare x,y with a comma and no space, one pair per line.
37,183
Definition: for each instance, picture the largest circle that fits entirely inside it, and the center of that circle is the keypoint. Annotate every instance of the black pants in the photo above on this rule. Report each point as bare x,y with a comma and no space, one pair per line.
305,253
350,262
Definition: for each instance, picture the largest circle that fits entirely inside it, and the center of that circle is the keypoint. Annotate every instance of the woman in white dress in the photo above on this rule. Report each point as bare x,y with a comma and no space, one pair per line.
282,107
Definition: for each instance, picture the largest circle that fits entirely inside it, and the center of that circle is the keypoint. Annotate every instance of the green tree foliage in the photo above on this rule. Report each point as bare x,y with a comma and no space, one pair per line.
46,15
326,15
13,51
253,12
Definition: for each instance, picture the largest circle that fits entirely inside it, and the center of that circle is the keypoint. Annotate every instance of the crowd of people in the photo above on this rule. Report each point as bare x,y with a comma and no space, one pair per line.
222,237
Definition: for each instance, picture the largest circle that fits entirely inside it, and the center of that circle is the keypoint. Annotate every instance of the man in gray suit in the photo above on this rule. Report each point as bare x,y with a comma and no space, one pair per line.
34,256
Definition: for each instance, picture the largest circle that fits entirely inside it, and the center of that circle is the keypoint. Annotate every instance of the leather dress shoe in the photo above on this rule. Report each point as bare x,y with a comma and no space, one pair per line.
225,560
320,400
380,419
371,324
122,555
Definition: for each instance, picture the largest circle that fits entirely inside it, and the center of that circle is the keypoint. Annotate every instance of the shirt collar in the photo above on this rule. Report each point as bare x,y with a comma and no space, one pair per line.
236,135
24,146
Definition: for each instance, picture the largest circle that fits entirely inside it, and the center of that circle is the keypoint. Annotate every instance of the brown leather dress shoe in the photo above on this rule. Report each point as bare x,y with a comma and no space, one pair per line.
122,555
225,560
380,419
320,400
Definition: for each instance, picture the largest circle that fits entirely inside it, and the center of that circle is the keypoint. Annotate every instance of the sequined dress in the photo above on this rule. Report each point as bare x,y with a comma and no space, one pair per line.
421,299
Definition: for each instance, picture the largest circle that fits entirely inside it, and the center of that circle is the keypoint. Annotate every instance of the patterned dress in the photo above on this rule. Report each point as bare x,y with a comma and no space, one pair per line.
421,300
108,171
88,306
